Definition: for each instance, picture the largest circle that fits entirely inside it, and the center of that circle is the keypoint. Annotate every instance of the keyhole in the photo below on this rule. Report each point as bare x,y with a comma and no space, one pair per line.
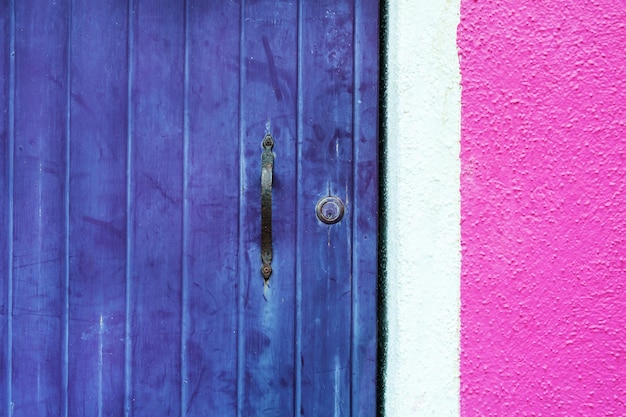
329,210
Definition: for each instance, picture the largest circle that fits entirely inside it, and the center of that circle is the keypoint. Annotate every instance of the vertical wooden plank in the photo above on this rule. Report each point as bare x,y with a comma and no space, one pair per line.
365,209
131,24
298,410
98,202
325,252
212,209
39,208
65,293
6,190
268,94
157,155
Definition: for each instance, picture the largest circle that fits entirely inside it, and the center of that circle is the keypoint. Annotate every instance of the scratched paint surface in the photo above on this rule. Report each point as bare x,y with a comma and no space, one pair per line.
130,181
543,208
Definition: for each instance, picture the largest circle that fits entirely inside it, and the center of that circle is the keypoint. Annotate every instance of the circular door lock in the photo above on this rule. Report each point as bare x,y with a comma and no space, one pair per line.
329,209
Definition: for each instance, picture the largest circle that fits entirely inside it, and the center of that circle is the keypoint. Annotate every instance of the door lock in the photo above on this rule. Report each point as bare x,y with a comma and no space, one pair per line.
329,209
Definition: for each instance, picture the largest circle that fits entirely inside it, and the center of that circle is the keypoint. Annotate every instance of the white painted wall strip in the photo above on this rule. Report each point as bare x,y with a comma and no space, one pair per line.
423,230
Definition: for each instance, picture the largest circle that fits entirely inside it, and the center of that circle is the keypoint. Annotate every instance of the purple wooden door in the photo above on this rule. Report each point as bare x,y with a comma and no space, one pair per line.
130,176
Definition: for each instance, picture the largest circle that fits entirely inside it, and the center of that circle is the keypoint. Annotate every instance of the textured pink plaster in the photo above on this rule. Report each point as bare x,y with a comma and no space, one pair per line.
543,190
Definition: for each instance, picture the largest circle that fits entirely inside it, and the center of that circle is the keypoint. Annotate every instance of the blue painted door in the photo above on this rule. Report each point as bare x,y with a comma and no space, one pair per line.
130,232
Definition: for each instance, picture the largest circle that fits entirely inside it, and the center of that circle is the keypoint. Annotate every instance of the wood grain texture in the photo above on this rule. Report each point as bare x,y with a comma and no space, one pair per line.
7,143
268,105
365,205
212,209
325,169
40,118
157,202
97,198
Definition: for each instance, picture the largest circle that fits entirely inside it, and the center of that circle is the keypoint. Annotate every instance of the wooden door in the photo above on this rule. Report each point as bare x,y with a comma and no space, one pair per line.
131,208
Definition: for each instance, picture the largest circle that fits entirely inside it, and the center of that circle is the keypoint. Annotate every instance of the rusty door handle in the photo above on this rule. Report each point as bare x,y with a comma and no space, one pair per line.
267,171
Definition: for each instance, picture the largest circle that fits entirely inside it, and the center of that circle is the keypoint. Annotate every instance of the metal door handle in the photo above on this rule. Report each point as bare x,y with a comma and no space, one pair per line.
267,170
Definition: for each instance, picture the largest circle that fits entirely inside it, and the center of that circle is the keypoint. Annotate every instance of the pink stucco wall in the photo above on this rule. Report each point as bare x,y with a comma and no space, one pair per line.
543,188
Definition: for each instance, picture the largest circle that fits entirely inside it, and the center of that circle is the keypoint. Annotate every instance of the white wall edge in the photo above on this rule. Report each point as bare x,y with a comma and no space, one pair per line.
423,209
